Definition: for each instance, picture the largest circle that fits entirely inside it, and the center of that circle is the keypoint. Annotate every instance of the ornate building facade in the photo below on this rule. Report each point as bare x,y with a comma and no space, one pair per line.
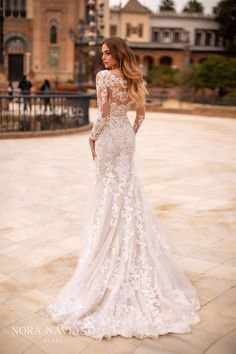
166,37
59,40
41,37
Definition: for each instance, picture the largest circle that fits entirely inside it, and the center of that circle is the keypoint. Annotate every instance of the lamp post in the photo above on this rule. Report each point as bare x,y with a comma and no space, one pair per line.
100,29
91,35
3,82
96,25
88,34
78,38
80,43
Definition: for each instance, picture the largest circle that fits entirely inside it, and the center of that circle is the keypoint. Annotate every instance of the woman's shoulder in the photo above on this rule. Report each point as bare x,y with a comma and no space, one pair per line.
102,73
108,76
103,78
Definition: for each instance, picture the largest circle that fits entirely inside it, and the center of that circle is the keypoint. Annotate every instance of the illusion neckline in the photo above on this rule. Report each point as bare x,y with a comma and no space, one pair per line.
118,77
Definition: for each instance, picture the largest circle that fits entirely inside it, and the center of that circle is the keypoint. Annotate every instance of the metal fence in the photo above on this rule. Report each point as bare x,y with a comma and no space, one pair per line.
216,101
43,112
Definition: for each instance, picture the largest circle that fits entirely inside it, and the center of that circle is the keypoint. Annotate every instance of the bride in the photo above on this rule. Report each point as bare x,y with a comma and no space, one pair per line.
127,281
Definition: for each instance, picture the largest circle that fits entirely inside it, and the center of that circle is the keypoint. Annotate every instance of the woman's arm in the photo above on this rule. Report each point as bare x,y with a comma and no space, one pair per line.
140,115
102,103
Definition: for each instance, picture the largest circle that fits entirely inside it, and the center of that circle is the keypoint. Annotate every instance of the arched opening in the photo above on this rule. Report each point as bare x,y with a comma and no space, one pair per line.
53,31
166,61
15,49
137,59
147,64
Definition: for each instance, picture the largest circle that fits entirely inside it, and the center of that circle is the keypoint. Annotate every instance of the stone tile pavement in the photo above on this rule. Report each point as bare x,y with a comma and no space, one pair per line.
187,166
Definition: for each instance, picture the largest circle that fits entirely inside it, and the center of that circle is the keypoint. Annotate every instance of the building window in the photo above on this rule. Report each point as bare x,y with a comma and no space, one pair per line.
208,39
137,30
53,31
217,42
53,34
166,36
198,38
177,36
15,8
113,30
128,29
156,36
140,30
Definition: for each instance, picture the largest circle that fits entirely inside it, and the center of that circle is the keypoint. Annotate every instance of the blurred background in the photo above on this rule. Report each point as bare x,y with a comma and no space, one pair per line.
59,40
185,49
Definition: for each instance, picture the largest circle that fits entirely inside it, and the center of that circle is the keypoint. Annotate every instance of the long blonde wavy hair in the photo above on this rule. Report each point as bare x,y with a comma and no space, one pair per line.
127,63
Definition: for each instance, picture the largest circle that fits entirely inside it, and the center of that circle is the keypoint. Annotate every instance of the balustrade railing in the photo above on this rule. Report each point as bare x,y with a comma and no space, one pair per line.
43,112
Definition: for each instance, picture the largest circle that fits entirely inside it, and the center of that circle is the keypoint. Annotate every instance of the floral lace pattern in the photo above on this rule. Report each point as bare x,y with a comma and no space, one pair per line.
140,115
127,281
113,101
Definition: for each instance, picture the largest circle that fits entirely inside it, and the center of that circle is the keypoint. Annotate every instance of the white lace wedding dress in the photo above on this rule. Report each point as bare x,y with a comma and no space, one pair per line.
127,281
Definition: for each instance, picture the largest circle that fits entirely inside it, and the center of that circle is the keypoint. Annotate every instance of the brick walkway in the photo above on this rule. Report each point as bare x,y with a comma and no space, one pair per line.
187,166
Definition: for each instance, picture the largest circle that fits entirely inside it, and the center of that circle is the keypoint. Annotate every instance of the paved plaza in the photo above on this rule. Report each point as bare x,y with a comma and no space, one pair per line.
187,167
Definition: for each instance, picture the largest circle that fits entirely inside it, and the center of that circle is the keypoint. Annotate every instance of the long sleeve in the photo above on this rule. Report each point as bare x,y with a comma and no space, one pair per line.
102,104
140,115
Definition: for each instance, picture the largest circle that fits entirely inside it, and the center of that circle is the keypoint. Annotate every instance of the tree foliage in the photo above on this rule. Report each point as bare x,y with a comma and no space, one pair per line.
163,76
167,5
194,6
225,13
215,72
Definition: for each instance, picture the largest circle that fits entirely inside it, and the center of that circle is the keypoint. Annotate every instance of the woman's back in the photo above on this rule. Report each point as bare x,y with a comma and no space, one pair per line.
112,129
113,103
112,93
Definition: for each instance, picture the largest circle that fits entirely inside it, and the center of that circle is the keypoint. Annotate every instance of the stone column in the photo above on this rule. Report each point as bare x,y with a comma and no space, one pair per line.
29,9
27,67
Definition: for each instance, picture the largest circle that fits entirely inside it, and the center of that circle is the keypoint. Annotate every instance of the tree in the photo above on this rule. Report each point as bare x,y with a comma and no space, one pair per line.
225,13
214,73
167,5
194,6
163,75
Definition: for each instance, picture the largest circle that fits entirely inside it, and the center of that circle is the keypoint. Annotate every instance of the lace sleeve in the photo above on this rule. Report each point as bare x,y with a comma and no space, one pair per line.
140,115
102,104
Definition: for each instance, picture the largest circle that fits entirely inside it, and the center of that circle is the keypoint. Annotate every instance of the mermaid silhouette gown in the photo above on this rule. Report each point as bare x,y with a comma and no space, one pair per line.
127,281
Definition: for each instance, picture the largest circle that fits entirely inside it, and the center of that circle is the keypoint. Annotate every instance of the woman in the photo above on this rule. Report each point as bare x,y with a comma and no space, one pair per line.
126,281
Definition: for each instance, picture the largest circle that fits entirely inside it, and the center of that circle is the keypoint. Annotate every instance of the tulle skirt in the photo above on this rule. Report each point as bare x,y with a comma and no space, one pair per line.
127,281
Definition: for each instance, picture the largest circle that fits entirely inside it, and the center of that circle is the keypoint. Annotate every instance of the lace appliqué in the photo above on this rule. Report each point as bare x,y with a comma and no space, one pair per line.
113,101
127,281
102,102
140,115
